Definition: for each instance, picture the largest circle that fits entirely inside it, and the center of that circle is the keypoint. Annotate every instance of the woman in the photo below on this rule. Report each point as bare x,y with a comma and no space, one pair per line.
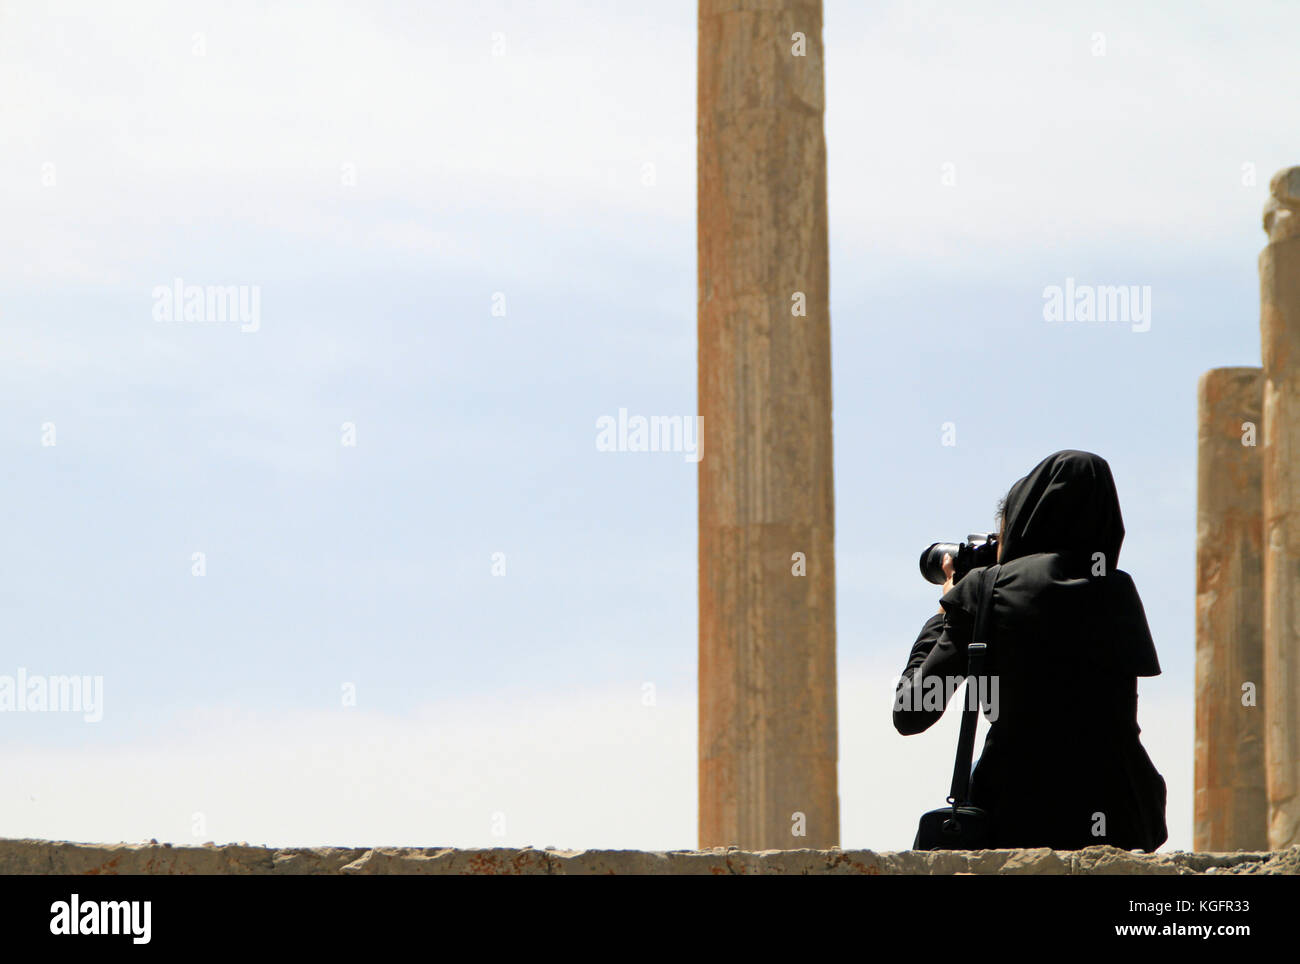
1062,765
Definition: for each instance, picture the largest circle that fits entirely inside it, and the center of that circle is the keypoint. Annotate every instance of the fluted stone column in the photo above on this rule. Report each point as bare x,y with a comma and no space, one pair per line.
1231,802
767,765
1279,277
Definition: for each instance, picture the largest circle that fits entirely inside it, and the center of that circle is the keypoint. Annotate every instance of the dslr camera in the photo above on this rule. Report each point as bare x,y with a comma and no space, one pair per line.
979,549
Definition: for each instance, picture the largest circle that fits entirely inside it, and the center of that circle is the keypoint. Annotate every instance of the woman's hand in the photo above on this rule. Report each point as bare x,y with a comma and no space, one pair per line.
947,571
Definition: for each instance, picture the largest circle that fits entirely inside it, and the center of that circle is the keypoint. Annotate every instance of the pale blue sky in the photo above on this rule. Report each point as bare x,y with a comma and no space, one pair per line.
209,142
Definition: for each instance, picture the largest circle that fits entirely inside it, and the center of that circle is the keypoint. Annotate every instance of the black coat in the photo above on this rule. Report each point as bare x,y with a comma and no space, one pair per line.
1062,765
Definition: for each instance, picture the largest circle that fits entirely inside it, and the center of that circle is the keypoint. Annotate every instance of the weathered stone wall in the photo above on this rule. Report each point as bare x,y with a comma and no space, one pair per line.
58,857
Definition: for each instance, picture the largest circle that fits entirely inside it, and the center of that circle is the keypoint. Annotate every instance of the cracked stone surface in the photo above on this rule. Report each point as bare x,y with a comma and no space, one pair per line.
62,857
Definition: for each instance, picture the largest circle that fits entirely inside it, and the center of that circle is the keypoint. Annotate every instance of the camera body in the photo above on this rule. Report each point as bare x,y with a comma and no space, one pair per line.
979,549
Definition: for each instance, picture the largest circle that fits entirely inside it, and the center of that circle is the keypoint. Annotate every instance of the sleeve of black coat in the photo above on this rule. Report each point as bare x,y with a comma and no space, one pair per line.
938,655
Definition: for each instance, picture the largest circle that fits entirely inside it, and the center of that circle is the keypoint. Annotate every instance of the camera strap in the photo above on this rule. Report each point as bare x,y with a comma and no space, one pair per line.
975,652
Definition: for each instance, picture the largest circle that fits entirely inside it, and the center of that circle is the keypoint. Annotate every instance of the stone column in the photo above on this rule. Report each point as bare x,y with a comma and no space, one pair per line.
1279,283
1231,803
767,766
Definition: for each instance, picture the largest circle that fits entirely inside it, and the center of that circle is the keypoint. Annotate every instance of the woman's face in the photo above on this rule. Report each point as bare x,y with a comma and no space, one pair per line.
1002,526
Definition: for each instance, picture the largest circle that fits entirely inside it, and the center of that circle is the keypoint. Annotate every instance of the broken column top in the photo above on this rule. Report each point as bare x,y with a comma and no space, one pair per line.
1282,212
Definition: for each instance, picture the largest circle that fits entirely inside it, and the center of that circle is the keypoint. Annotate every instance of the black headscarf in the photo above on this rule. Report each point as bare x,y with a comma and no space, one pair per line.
1066,504
1054,521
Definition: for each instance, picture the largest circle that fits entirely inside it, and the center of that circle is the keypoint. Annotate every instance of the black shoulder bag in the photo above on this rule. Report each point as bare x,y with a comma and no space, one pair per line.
960,826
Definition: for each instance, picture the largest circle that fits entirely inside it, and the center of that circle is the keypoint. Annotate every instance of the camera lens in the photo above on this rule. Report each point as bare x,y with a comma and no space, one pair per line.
932,561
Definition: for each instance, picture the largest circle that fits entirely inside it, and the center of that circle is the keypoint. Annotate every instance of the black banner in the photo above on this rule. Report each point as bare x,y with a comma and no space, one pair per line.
328,912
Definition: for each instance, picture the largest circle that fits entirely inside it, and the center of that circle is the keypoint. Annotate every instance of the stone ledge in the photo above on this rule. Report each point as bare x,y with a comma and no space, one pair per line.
61,857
